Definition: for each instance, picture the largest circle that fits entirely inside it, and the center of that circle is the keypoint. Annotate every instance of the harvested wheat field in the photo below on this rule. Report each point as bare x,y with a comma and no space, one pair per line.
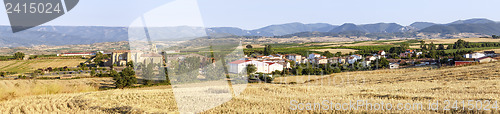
11,89
297,79
21,66
415,85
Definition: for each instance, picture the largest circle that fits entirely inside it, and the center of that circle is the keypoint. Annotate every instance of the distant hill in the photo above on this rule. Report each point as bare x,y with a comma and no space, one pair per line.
71,35
370,28
485,28
61,35
421,25
473,21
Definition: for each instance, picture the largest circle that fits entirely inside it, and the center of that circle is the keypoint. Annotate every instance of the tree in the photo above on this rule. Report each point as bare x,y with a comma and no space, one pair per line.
126,78
337,70
130,64
249,46
92,73
449,47
459,44
441,47
19,55
495,36
380,63
276,72
112,66
148,73
432,46
250,69
266,78
338,54
268,50
405,45
433,54
328,54
298,70
422,45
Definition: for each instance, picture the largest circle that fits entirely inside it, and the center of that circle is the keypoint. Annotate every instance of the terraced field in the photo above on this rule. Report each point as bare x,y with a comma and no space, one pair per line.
415,85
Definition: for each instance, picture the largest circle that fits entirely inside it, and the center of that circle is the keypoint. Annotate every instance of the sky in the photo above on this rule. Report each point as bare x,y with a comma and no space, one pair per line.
253,14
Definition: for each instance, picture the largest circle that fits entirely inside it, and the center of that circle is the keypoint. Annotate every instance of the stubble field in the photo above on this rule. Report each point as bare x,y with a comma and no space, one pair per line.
21,66
415,85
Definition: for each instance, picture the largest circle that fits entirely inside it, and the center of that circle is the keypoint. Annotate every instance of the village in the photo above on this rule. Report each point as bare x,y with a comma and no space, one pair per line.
280,62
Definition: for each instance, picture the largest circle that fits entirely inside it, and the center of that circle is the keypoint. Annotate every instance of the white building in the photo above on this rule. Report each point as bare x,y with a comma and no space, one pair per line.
357,56
381,52
371,58
314,55
485,60
341,60
276,56
262,67
419,53
320,61
394,65
304,60
294,57
474,55
353,58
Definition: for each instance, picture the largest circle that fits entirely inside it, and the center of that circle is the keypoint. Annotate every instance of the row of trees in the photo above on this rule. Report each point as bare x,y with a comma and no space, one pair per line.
461,44
19,55
495,37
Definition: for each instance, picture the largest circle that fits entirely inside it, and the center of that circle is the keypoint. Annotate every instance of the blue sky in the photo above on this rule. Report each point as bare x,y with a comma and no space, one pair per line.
252,14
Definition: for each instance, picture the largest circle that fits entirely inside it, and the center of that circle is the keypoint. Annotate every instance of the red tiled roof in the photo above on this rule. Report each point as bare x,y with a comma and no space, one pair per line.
239,61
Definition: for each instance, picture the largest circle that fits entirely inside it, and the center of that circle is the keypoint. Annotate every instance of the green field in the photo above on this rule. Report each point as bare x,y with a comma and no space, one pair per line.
21,66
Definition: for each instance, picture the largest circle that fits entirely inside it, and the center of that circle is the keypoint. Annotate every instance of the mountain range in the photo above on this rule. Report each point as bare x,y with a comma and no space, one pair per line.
69,35
274,30
479,25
